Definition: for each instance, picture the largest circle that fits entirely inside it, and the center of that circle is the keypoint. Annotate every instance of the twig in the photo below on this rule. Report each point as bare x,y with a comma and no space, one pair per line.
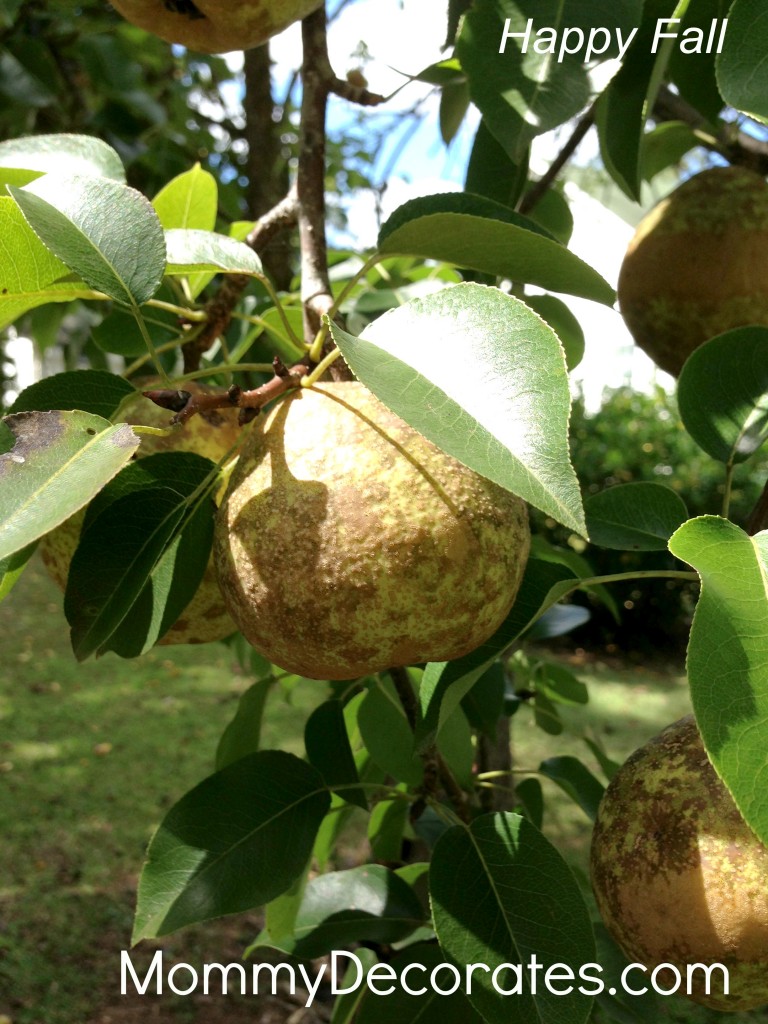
218,309
186,405
737,147
537,191
317,82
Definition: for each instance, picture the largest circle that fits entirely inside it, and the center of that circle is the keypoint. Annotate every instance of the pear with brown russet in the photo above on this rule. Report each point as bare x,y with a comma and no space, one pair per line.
347,543
215,26
678,875
697,265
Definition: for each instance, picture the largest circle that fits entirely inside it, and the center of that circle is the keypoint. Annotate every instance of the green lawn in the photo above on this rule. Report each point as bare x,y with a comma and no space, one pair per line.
91,757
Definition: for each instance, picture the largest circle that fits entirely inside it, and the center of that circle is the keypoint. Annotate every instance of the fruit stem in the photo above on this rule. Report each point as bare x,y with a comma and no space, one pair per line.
311,378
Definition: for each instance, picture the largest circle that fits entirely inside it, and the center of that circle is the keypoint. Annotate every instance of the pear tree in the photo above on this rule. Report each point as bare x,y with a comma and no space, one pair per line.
344,470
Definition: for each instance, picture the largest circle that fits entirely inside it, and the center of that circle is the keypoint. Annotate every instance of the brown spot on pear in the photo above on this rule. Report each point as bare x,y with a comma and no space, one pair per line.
697,266
347,543
678,875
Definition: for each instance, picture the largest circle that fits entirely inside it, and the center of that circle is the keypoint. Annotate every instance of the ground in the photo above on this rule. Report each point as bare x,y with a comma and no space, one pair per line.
91,757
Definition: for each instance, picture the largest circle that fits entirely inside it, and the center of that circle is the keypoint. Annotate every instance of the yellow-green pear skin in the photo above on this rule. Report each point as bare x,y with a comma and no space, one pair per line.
678,875
697,265
205,618
347,543
215,26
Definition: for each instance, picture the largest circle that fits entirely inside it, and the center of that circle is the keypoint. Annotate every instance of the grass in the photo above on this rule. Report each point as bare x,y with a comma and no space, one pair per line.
92,756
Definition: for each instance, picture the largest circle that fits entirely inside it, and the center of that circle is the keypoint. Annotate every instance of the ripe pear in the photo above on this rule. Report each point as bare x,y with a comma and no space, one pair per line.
205,618
347,543
678,875
697,265
215,26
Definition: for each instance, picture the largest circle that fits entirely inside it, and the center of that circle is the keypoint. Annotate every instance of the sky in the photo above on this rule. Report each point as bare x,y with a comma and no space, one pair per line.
405,36
401,38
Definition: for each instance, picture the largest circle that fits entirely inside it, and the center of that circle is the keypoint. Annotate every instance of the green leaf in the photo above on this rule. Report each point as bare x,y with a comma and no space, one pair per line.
491,173
722,394
518,899
694,73
119,331
243,734
457,749
742,74
345,1005
191,251
561,685
665,146
563,323
26,158
624,105
521,95
94,391
575,779
444,684
454,103
328,749
471,231
365,904
21,85
12,567
634,517
190,200
59,462
529,794
427,1006
553,213
727,667
104,231
29,272
387,735
142,553
482,377
546,715
484,703
234,842
386,826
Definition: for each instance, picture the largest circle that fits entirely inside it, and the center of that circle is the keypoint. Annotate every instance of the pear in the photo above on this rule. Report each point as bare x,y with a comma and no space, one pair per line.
211,434
215,26
697,265
678,875
347,543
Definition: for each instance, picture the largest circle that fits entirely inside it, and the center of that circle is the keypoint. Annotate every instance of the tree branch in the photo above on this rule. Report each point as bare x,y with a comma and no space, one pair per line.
185,405
317,80
736,146
537,191
218,309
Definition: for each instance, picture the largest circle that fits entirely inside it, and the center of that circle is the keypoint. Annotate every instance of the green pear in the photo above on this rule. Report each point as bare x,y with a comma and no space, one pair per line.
347,543
697,265
215,26
678,875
